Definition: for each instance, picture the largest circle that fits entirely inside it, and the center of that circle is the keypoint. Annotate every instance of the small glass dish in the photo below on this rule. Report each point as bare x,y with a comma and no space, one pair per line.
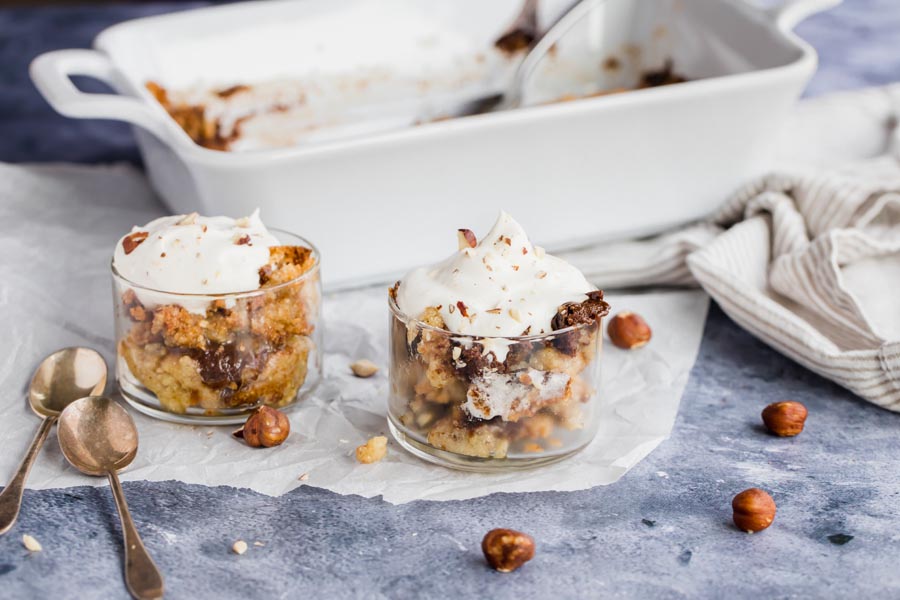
193,358
451,403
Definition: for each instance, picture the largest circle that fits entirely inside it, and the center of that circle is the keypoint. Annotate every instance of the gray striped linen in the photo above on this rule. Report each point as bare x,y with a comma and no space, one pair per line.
808,262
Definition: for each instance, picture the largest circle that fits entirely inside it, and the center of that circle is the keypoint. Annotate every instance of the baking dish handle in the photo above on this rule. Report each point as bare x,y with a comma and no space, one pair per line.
51,73
791,12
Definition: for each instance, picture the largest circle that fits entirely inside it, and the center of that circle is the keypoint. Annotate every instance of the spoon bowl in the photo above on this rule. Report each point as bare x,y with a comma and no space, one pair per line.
65,376
97,435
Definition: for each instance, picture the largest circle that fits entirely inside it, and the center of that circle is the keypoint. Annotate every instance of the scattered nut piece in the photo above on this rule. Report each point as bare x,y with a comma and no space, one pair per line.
242,240
628,330
754,510
258,544
364,368
456,352
506,549
242,222
239,547
515,315
266,427
785,419
466,239
133,240
372,451
539,252
190,219
31,544
304,477
232,90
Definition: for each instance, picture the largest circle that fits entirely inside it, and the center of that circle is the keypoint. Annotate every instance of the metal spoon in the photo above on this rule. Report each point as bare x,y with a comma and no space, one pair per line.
540,45
62,378
99,438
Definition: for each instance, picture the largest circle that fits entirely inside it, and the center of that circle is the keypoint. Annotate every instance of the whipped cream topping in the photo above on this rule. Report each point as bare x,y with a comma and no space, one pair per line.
503,286
190,254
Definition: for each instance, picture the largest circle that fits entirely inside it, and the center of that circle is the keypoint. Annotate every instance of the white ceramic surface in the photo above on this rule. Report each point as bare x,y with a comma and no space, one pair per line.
377,204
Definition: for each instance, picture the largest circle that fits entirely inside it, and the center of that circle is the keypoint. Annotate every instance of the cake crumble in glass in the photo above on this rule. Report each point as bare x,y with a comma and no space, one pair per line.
495,355
214,317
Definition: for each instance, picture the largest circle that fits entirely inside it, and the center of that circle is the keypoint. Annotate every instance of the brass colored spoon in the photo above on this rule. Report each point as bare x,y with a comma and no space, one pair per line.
62,378
99,438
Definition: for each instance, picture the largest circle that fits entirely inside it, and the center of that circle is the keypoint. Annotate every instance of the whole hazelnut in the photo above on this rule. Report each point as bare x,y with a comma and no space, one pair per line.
506,550
628,330
266,427
785,418
754,510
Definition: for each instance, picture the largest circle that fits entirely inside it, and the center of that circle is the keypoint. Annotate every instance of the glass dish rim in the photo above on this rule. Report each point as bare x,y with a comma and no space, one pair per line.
222,295
396,312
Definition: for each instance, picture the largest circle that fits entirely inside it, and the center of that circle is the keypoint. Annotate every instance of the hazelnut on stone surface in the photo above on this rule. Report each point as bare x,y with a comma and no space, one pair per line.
506,549
754,510
266,427
628,330
31,544
239,547
785,419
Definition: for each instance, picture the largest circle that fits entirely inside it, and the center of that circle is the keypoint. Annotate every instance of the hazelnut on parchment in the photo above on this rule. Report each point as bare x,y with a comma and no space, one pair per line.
754,510
265,427
364,368
785,419
372,451
628,330
506,549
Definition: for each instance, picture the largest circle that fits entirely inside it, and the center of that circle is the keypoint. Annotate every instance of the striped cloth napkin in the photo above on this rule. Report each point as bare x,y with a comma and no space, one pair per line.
807,260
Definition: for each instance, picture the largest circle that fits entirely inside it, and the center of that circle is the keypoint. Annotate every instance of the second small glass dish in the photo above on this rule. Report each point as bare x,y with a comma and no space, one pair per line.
450,403
214,358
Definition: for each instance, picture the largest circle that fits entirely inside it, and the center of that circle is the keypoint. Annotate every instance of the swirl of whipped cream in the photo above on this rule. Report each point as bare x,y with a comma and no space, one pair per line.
502,287
190,254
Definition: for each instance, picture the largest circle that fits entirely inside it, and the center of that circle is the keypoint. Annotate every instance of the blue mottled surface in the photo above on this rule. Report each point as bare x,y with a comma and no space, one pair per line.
664,530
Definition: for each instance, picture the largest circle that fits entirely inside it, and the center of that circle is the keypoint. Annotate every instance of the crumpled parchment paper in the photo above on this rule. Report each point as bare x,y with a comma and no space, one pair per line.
59,225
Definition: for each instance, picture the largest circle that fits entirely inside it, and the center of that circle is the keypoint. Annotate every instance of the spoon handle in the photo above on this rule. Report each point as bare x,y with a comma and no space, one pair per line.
11,497
142,577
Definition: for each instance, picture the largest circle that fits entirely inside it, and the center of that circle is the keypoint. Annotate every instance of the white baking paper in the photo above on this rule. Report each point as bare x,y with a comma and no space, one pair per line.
58,225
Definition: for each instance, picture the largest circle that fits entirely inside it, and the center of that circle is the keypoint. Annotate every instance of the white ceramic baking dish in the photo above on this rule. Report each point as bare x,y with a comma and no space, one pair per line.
377,204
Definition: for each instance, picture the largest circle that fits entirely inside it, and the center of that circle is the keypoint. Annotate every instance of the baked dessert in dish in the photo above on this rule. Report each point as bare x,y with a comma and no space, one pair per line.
217,118
215,316
283,113
494,353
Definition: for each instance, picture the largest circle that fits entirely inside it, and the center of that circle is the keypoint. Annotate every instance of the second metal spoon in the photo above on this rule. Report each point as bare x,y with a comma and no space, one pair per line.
99,438
61,378
539,46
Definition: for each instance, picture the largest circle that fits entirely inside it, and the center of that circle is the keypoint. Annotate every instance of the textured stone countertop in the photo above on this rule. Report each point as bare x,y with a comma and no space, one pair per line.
664,530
